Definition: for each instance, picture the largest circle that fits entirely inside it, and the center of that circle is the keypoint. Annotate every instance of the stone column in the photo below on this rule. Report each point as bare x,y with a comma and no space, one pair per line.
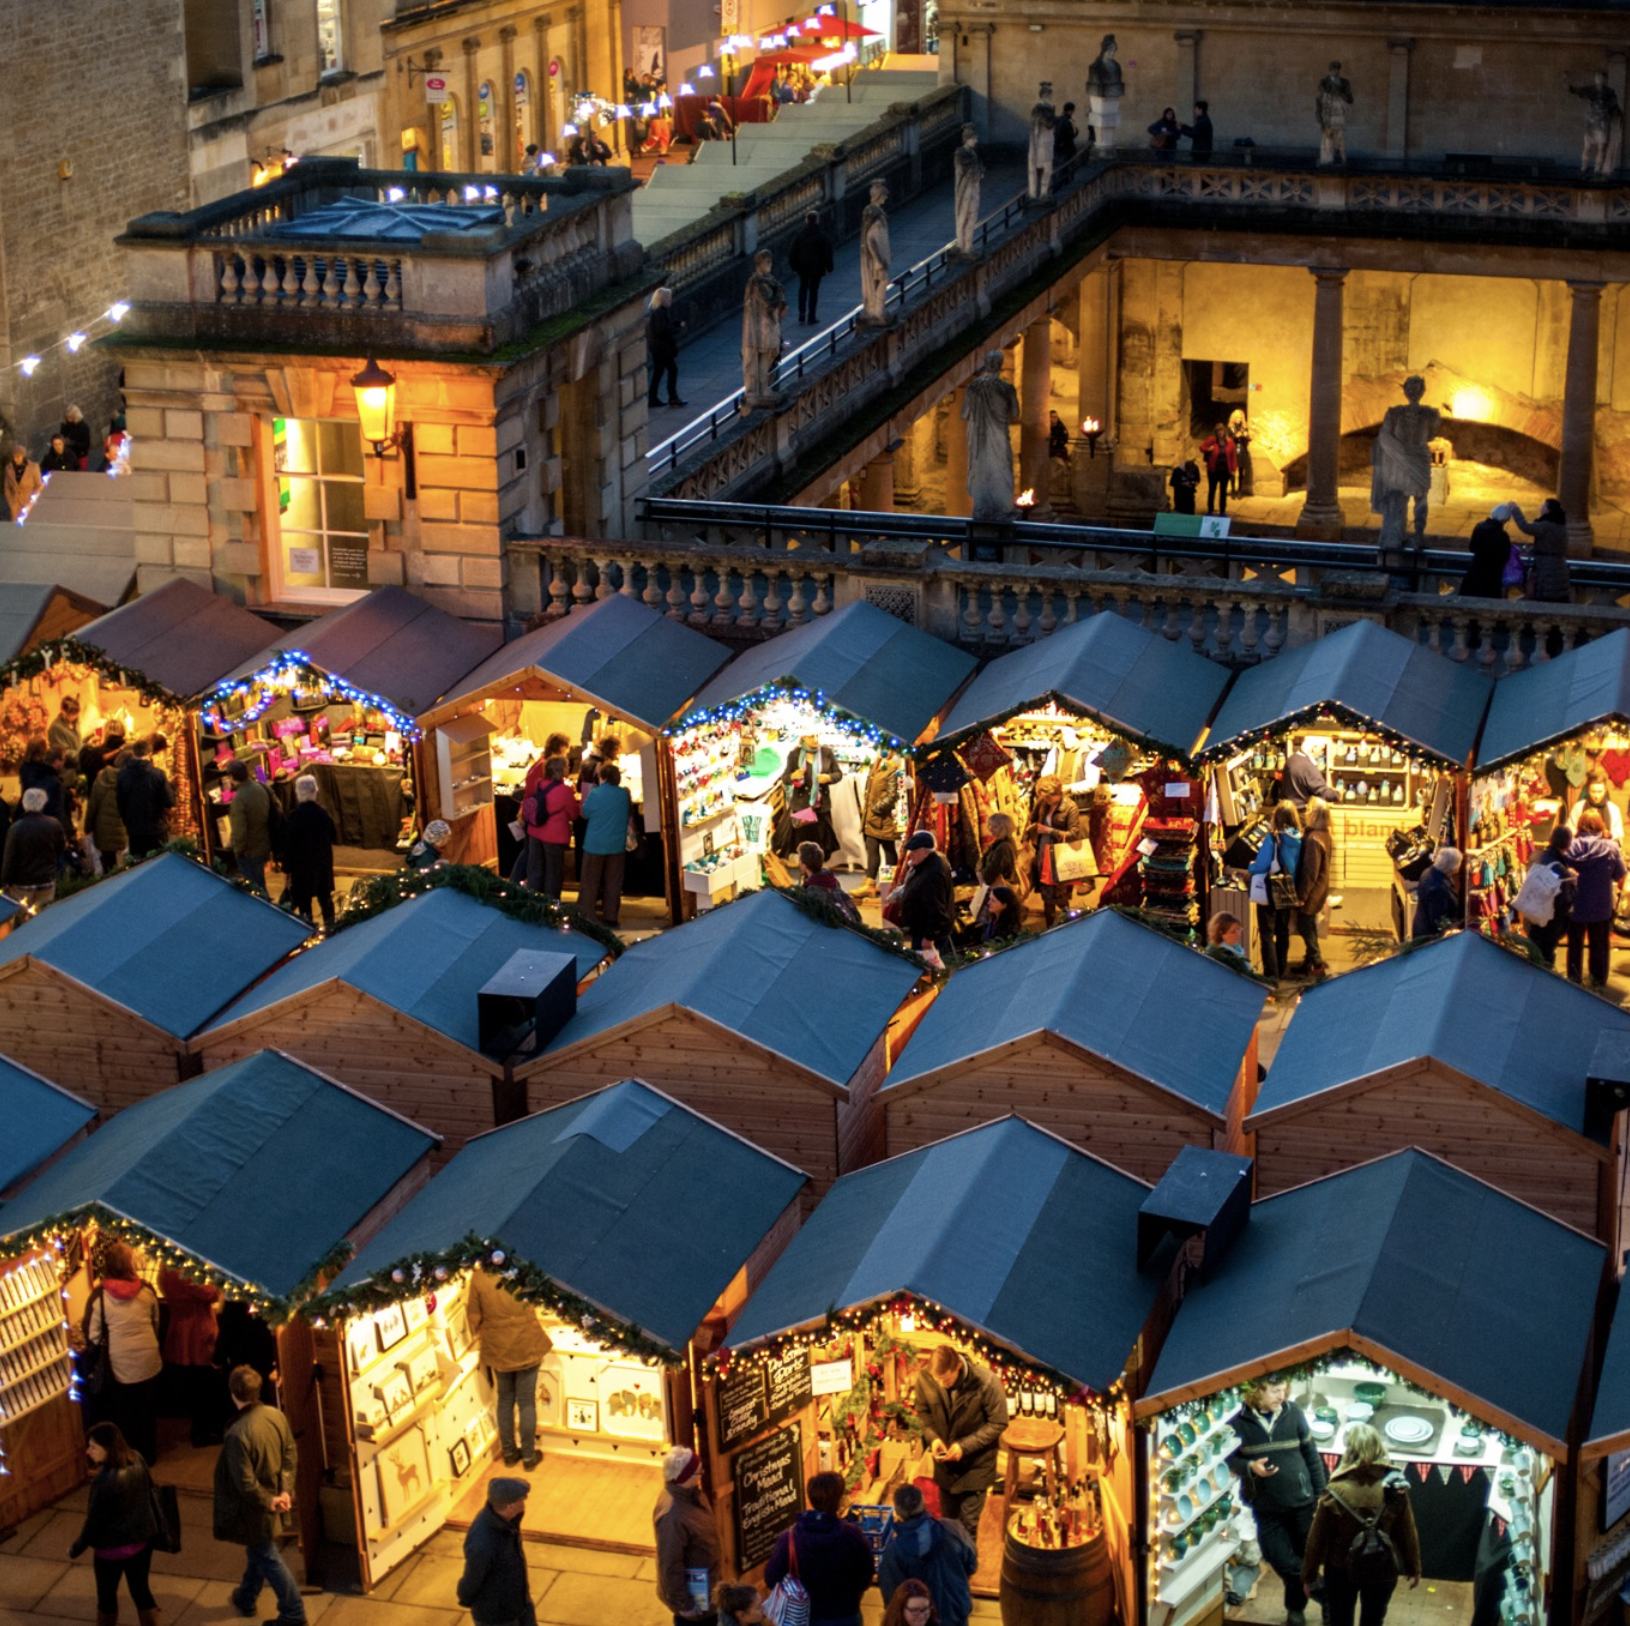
543,120
908,486
469,121
1035,391
1579,415
1321,514
1188,72
507,161
958,504
1396,144
877,485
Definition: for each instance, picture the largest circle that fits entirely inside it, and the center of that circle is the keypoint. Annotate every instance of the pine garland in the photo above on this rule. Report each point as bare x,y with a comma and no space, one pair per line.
1237,963
38,661
814,902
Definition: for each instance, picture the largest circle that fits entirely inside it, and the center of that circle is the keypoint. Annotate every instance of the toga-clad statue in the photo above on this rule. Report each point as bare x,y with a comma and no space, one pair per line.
1104,72
989,405
874,258
1402,465
1330,104
762,307
969,173
1043,121
1604,125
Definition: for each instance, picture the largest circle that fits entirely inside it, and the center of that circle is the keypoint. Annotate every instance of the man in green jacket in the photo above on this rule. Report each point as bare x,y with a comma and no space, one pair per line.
254,1482
250,815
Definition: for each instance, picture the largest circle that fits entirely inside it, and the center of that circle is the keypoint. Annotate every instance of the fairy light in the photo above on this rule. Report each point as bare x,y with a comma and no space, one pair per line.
30,365
118,311
75,342
293,670
747,708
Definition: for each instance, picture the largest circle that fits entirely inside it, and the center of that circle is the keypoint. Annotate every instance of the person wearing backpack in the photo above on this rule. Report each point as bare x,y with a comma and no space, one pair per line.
1545,900
1363,1537
936,1552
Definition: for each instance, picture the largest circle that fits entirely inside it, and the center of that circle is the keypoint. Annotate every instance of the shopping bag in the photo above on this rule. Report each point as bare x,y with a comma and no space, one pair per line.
167,1516
1074,861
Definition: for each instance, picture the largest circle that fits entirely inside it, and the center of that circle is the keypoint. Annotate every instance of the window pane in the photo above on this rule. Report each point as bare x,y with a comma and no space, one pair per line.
344,506
339,446
294,445
301,508
329,53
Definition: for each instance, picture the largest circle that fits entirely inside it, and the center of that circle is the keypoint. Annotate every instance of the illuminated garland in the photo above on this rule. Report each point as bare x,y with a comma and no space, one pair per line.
1072,713
871,1321
417,1274
39,660
1309,719
377,893
746,709
291,670
868,1402
170,1255
74,340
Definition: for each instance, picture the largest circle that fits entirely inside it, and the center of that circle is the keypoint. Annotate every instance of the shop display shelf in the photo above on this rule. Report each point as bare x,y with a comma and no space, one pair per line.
1179,1582
385,1434
1223,1499
1202,1443
13,1379
10,1310
52,1329
399,1351
11,1417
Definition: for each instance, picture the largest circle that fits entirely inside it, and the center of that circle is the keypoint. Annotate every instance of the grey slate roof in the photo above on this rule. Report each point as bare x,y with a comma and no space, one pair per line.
39,1118
1548,702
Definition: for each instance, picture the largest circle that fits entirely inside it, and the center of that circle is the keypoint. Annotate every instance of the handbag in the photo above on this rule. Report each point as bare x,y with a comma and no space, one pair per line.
1074,861
1283,892
97,1366
1515,570
805,815
788,1602
167,1516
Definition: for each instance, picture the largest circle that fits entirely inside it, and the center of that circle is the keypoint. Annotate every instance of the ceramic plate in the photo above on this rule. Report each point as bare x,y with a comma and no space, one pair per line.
1322,1431
1408,1430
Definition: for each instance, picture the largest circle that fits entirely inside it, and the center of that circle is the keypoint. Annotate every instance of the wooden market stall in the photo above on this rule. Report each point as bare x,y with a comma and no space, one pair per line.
101,991
252,1181
1602,1481
636,1228
1391,726
859,680
36,613
393,1006
41,1120
618,666
1114,711
1050,1297
1109,1034
763,1018
1452,1318
338,699
1550,728
1466,1050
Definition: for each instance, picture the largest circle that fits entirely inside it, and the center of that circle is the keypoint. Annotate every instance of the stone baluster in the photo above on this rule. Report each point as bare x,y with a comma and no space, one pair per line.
1172,628
1434,634
1516,657
602,587
797,605
1462,648
1248,630
1021,612
582,593
560,590
652,596
724,599
1222,637
353,287
1197,625
770,621
823,595
1049,621
996,621
1273,640
699,613
1487,654
227,275
676,593
1542,640
747,603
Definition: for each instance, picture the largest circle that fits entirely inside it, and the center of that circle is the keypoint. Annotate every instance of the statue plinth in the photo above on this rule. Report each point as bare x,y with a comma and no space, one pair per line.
1104,114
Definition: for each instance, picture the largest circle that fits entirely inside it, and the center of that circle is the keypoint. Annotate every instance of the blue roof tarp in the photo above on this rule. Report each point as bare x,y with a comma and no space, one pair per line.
621,655
1006,1227
167,939
1447,1275
1556,699
1110,987
1463,1001
39,1119
818,995
1367,673
859,659
260,1169
624,1197
1610,1422
1126,677
427,958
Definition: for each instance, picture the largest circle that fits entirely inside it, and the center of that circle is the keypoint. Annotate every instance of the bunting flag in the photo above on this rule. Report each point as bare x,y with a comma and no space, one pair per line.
1499,1527
1331,1458
1446,1472
1466,1472
1422,1469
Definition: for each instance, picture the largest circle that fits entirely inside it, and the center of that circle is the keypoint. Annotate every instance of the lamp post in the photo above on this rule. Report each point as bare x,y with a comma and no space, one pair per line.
376,415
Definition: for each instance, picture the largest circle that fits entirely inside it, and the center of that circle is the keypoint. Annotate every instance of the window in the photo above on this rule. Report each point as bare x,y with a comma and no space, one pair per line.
330,36
322,534
484,118
260,24
523,116
449,133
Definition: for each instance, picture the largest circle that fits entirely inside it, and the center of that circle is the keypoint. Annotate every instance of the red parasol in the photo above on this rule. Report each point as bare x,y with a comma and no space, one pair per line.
791,55
827,27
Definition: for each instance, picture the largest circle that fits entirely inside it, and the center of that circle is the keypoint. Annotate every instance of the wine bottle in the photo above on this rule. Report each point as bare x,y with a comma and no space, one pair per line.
1052,1407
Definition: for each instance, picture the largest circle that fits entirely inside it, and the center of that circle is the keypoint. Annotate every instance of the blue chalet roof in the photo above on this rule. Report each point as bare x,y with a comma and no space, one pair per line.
1109,986
1369,673
589,1192
1546,703
1463,1001
1610,1422
1128,678
903,1226
39,1118
859,659
260,1168
166,939
816,994
1420,1261
180,636
427,958
619,653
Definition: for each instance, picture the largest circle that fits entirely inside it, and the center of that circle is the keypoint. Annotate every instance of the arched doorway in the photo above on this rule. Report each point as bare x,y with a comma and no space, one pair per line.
525,125
449,134
484,122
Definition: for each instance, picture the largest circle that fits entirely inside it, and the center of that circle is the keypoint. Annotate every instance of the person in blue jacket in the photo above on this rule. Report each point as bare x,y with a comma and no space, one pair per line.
936,1552
1280,852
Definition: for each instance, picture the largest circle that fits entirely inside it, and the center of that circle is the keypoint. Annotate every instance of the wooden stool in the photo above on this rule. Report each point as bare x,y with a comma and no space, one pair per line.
1031,1437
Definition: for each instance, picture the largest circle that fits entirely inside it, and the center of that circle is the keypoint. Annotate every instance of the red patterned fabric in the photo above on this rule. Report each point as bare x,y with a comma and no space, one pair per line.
983,756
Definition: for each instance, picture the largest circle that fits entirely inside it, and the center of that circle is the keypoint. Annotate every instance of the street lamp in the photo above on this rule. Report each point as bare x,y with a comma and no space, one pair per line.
376,405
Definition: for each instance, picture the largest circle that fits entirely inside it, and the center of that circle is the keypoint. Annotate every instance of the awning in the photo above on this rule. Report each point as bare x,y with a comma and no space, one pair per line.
40,1118
1124,676
1007,1228
1369,677
1463,1001
859,660
167,939
623,1197
257,1170
1110,987
32,613
619,654
1458,1287
1547,703
819,995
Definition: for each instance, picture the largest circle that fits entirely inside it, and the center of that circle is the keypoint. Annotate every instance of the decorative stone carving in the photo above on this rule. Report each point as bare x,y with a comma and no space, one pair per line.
990,404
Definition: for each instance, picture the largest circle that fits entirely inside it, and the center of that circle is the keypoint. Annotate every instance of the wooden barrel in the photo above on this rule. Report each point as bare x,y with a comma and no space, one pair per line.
1047,1586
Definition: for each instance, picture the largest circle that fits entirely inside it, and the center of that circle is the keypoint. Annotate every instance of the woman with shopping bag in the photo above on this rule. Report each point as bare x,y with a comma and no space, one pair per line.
1274,890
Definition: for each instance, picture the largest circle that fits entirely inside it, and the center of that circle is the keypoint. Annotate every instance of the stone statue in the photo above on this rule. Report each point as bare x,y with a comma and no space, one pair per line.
989,405
1604,125
874,258
969,173
762,307
1402,465
1043,121
1105,88
1334,97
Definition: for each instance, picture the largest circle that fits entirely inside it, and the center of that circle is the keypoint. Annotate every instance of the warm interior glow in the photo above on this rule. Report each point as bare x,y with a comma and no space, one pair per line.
1473,404
1027,497
376,403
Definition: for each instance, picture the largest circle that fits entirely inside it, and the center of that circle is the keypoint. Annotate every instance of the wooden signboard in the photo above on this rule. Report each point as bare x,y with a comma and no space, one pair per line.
742,1412
786,1385
769,1493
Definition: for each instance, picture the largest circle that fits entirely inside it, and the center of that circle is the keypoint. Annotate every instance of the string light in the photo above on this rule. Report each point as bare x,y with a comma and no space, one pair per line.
291,671
75,340
30,365
747,707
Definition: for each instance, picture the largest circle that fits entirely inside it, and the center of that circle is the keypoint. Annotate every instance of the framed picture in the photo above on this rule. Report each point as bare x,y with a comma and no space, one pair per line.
404,1474
392,1325
583,1416
459,1336
363,1342
651,51
416,1313
460,1457
397,1393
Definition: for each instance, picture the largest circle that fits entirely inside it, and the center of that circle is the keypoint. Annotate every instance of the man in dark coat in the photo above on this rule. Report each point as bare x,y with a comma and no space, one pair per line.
926,895
307,857
145,799
811,259
1303,779
1199,133
963,1408
34,847
662,348
1281,1476
494,1586
254,1485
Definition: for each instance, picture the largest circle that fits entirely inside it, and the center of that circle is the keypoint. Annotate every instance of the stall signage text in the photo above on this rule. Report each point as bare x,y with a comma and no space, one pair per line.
769,1481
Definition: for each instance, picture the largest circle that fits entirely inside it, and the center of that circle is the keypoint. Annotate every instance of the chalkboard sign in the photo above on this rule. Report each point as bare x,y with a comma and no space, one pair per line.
1615,1488
769,1481
742,1412
786,1385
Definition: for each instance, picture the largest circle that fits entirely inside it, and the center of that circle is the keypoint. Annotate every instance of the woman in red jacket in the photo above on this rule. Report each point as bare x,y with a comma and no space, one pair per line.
1222,464
548,806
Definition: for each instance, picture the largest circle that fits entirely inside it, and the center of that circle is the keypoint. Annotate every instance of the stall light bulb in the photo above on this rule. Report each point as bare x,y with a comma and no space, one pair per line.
704,72
471,193
648,111
118,311
665,100
546,158
30,365
568,129
686,90
395,194
75,341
